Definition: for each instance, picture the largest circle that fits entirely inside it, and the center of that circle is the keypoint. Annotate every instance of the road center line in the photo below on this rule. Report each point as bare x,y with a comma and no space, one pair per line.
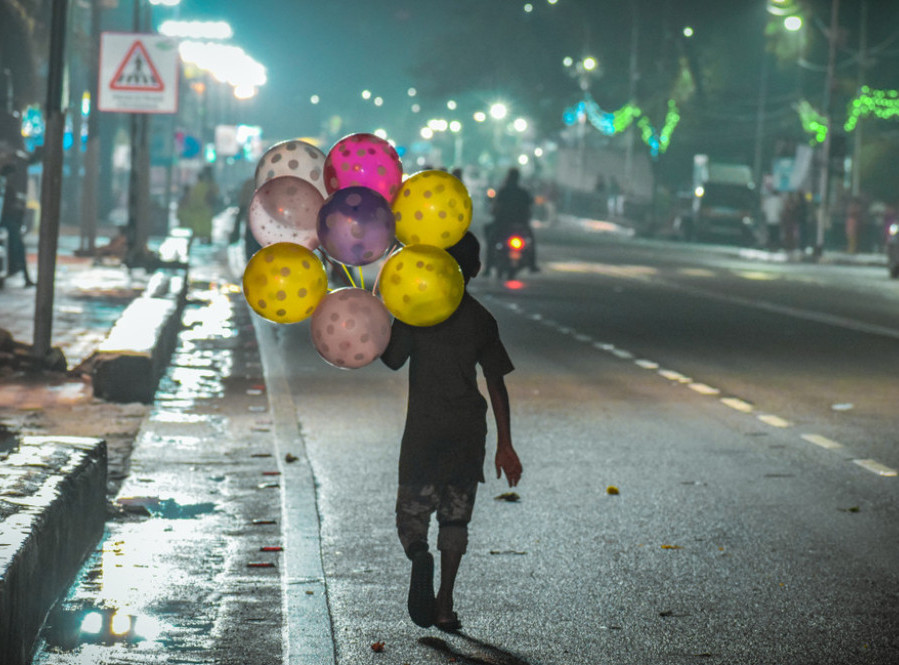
775,421
876,467
822,441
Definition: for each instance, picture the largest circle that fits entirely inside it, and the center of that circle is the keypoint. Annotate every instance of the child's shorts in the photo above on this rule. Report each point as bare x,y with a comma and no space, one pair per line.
453,505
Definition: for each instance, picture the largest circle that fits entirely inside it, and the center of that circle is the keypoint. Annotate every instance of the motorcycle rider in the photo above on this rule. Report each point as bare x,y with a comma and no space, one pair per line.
511,209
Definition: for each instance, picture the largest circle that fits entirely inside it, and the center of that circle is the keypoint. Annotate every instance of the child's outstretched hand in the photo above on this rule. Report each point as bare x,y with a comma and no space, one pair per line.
507,461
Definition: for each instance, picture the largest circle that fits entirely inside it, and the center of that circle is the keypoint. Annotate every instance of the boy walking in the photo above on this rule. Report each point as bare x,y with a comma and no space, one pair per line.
443,447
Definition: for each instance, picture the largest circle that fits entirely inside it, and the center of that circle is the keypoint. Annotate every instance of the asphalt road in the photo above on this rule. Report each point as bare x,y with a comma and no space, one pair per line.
745,411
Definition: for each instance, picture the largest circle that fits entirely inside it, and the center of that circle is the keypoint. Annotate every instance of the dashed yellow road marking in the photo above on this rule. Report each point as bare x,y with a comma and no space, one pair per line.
775,421
876,467
703,389
738,404
822,441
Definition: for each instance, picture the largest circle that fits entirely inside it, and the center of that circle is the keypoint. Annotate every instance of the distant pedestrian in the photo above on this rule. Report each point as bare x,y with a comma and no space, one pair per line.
802,221
198,206
854,214
889,219
14,173
443,446
773,207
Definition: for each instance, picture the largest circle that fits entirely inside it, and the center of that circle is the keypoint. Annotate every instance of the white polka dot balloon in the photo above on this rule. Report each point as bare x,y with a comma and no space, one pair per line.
350,328
285,209
295,158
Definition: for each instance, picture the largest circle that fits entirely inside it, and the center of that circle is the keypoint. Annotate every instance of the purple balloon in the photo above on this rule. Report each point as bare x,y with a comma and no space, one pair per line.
356,226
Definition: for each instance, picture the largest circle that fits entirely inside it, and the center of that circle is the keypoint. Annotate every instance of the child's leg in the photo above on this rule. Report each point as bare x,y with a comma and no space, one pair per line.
453,515
414,506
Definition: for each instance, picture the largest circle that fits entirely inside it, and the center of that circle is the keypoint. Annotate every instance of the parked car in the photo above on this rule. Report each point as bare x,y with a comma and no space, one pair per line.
893,250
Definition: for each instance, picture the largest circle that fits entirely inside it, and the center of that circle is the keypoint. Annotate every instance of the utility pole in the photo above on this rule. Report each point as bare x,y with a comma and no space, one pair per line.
862,68
51,185
139,176
632,97
89,206
824,189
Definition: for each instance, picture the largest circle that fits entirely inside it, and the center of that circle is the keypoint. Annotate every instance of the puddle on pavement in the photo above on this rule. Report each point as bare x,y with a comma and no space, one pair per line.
168,509
119,600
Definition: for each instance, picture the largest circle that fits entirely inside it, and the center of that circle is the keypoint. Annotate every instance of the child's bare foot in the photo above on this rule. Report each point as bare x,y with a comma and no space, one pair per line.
444,617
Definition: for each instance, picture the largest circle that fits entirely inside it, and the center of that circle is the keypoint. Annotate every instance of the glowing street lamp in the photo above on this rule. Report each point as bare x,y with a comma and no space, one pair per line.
793,23
498,111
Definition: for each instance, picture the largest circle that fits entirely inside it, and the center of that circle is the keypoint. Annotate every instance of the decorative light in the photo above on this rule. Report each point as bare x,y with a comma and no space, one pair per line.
451,105
520,125
812,121
688,31
793,23
590,63
498,111
611,123
882,104
426,133
416,108
523,159
315,99
455,126
379,101
196,29
479,116
528,8
366,94
567,61
229,64
412,92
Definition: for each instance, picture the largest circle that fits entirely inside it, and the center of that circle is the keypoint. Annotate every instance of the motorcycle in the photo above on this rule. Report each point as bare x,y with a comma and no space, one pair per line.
510,251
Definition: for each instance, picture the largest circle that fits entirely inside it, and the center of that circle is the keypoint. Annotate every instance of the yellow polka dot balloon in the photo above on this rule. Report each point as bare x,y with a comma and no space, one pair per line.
421,285
284,282
432,208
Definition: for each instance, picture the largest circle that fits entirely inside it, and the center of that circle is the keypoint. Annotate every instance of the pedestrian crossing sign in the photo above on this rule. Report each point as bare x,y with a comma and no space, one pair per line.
138,73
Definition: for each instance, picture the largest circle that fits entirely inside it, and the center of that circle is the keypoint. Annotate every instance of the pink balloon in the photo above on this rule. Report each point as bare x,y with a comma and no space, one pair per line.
350,328
285,209
364,160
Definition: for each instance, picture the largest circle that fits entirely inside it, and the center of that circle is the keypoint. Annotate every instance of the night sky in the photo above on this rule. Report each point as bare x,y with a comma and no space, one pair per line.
483,48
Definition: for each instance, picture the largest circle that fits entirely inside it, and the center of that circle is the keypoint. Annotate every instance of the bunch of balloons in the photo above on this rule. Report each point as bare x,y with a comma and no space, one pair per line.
352,207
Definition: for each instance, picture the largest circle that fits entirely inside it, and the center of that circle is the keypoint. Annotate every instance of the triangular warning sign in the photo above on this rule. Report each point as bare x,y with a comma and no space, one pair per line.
137,71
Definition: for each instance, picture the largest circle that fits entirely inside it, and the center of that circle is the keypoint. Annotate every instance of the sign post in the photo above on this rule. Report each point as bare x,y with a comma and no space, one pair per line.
138,75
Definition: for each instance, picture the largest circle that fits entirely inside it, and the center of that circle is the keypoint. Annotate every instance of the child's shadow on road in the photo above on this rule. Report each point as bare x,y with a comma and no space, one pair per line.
483,653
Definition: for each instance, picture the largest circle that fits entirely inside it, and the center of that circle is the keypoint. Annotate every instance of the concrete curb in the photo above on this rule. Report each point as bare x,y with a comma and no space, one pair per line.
43,542
130,361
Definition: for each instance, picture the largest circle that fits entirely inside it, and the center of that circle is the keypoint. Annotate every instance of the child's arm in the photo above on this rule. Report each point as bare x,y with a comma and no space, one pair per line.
399,347
506,457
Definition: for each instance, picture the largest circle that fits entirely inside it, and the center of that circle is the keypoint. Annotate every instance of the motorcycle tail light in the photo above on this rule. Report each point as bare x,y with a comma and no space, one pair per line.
516,242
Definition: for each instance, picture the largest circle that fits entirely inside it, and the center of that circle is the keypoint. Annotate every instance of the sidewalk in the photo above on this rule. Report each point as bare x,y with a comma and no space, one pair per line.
192,565
626,228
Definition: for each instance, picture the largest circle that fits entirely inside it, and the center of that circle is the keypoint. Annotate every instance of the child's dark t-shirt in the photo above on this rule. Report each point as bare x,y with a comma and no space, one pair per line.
446,419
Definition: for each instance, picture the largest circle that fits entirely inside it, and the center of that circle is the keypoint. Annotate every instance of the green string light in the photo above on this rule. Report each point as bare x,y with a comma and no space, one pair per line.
882,104
812,121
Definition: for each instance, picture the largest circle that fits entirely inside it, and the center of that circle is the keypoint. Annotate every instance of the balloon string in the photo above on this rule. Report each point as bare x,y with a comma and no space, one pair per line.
374,288
348,274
